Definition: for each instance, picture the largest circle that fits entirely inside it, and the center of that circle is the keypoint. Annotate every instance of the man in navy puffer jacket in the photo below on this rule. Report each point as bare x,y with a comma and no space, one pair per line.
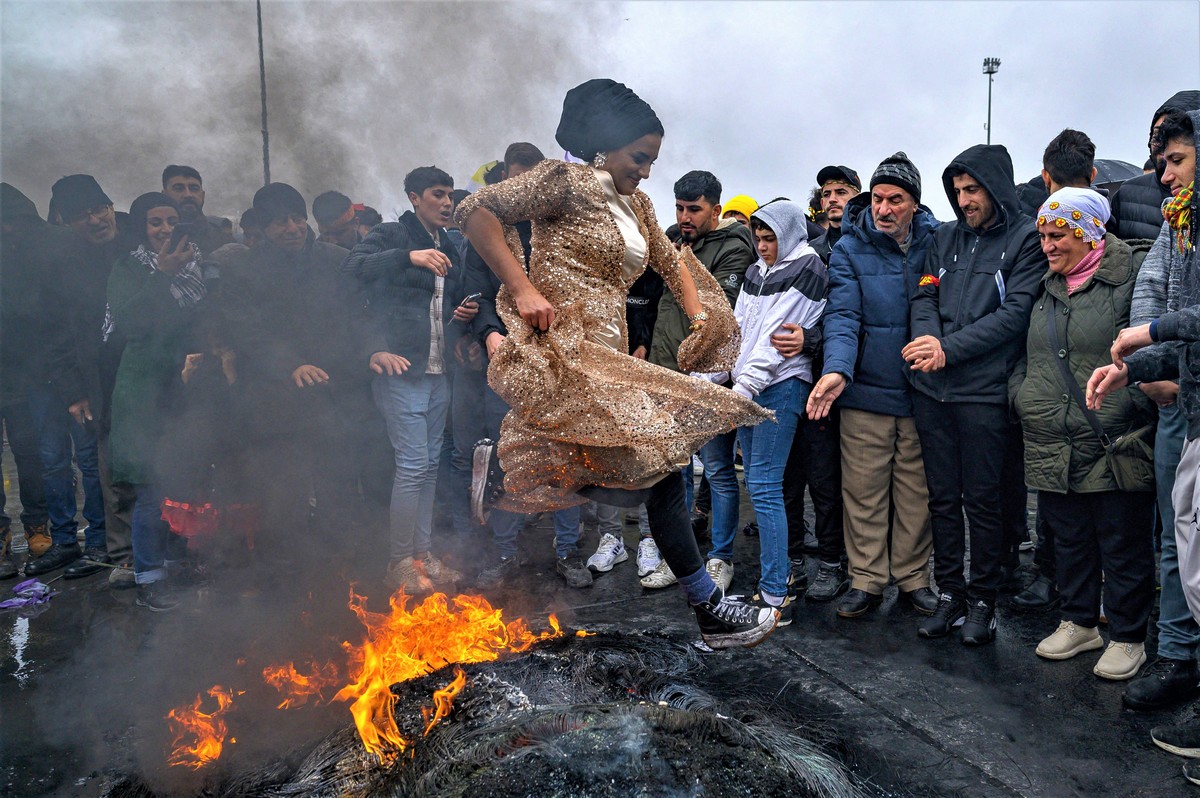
873,271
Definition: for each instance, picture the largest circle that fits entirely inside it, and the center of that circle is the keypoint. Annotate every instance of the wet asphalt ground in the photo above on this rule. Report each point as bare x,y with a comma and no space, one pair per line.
86,680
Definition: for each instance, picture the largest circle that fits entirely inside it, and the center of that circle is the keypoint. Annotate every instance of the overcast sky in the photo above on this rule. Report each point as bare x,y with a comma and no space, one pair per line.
761,94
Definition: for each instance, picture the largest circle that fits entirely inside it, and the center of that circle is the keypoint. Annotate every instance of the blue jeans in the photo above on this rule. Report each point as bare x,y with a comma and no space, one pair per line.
414,408
1178,632
765,450
154,545
57,434
717,456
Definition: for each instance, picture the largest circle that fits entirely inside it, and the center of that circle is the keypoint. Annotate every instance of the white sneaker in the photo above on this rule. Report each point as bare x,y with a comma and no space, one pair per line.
1068,640
648,557
660,577
1120,661
610,552
721,572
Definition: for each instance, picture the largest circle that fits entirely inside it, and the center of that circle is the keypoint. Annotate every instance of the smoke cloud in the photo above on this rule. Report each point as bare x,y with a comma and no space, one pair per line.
358,93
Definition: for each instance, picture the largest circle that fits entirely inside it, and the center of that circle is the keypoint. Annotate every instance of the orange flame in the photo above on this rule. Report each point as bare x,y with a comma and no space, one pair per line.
208,729
299,687
443,699
403,645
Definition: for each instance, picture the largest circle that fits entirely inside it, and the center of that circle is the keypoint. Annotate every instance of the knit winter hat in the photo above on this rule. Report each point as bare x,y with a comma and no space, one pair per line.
898,170
278,200
742,204
75,194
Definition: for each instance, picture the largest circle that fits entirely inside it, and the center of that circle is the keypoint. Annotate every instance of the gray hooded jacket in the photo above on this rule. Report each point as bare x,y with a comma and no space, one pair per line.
1168,289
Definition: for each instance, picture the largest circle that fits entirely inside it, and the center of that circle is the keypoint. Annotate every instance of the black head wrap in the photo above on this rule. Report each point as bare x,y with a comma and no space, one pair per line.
278,200
603,115
140,209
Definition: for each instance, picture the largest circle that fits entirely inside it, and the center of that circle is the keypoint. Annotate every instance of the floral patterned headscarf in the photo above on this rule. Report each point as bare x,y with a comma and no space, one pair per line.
1083,210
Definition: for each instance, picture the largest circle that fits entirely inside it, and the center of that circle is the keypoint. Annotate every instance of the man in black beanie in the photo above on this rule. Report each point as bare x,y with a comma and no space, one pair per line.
303,353
969,319
873,271
71,405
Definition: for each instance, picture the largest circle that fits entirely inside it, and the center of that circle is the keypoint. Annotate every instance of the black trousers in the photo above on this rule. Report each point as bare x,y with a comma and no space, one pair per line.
1044,558
21,433
1109,535
816,461
1014,498
671,525
963,445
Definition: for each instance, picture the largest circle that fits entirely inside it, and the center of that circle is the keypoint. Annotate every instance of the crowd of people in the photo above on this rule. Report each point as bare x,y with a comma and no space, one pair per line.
506,352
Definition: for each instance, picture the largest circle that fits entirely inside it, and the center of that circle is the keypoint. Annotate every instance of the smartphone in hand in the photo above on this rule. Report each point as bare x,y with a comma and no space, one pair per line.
182,229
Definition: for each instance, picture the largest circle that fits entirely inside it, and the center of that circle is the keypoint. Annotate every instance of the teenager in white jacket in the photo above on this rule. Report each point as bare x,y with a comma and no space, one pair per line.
786,285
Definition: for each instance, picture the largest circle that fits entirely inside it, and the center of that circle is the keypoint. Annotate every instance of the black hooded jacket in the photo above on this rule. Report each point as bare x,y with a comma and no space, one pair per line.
979,287
27,262
1137,204
54,311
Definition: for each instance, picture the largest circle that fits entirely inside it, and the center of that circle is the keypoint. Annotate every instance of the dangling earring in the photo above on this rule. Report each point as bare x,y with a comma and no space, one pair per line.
600,159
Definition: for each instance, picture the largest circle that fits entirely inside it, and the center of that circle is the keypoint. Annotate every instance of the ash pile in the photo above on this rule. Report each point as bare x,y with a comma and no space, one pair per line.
601,715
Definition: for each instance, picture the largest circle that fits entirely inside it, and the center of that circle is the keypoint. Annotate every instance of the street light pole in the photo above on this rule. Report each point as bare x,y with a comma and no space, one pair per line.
990,67
262,90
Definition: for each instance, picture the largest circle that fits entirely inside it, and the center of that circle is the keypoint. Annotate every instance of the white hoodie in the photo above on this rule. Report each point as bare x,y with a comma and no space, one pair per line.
792,290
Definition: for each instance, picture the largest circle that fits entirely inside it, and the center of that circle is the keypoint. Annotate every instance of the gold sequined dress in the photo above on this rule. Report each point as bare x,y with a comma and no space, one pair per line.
583,412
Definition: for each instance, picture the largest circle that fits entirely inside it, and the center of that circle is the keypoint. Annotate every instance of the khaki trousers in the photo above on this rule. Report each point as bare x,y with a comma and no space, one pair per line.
883,485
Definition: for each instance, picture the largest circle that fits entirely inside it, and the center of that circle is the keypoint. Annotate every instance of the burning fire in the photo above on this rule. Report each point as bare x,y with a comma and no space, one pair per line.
399,645
443,699
208,729
299,687
403,645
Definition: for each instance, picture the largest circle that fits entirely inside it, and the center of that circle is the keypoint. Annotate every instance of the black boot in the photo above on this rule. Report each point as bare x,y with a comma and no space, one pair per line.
93,561
1164,683
1040,595
857,603
56,556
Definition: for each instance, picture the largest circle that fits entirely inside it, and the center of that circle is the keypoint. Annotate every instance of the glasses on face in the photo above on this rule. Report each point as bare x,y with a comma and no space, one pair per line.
99,213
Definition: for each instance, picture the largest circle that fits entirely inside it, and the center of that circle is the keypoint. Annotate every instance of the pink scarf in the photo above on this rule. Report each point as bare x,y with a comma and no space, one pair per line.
1085,268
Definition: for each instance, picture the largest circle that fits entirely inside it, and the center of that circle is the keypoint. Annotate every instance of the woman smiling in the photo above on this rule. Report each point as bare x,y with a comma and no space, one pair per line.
152,294
1093,471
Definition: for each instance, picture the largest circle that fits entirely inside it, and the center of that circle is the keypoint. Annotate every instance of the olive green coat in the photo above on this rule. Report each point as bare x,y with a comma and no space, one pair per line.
155,328
1062,453
726,251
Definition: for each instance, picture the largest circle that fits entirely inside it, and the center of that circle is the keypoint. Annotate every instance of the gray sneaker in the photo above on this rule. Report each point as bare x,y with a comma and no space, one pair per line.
121,577
830,583
573,571
499,573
